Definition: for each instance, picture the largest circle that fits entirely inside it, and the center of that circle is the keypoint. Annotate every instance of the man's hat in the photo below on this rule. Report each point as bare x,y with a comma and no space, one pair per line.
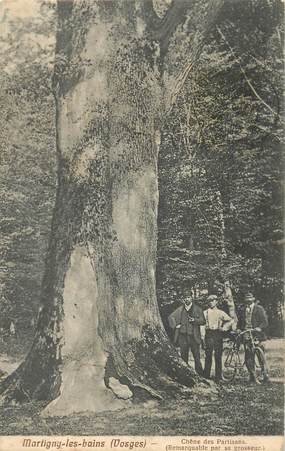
212,297
249,297
188,296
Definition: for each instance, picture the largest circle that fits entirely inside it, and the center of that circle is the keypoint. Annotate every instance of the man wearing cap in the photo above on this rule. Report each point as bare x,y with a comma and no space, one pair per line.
217,322
186,321
253,316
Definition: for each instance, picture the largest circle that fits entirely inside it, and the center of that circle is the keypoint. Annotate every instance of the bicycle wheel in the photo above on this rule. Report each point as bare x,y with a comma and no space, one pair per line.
231,362
259,361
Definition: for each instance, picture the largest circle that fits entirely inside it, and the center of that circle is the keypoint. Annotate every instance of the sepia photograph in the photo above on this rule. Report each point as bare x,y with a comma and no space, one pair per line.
142,225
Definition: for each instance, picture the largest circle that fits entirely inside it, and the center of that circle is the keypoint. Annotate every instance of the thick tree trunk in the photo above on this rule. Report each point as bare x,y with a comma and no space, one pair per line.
100,339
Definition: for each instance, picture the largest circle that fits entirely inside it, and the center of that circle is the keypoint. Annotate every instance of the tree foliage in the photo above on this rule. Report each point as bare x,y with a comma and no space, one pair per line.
220,169
221,199
27,172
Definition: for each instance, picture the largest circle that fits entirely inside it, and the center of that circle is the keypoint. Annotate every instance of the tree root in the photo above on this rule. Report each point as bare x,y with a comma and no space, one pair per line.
23,386
152,369
12,392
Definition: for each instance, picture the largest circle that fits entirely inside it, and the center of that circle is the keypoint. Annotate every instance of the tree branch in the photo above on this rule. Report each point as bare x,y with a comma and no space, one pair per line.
149,14
245,75
202,29
166,26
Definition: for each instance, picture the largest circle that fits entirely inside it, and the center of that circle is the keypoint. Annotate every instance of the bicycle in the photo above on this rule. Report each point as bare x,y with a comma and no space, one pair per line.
234,362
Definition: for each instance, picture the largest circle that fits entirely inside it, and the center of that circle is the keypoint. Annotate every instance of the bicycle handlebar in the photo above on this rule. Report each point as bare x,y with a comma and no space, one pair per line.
245,331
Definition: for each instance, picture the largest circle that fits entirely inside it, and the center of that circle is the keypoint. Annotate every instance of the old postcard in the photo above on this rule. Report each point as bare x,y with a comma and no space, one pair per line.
142,244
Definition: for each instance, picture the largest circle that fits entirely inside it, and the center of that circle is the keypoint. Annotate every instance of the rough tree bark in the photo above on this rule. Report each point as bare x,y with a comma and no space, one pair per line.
99,338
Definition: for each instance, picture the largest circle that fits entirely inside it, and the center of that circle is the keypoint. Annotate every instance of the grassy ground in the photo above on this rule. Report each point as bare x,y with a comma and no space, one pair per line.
237,408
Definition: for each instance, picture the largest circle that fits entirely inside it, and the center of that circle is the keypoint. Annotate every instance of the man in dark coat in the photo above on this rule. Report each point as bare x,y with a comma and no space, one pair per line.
186,321
253,316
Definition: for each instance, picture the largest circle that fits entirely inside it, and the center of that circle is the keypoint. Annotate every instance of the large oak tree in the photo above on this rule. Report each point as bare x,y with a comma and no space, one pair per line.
99,337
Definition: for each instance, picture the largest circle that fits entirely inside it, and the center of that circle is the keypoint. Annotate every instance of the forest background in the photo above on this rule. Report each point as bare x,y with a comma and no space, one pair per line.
220,167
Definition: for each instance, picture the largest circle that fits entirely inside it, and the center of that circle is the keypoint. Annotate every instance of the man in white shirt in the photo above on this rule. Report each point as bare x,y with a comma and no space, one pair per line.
217,321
